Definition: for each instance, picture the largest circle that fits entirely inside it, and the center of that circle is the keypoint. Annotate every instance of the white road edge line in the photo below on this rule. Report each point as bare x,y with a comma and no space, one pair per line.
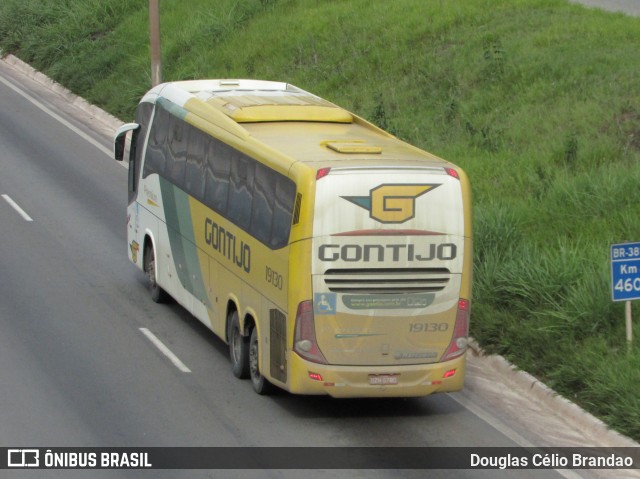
16,207
165,350
54,115
506,430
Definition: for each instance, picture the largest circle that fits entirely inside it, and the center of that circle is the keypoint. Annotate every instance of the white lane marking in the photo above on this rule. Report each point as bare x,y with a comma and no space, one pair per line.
506,430
54,115
165,350
16,207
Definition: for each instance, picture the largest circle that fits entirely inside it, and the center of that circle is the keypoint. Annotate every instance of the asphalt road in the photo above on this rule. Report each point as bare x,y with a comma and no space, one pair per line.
76,367
630,7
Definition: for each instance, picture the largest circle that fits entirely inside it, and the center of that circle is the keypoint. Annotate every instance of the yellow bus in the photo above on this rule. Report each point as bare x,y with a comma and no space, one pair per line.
332,257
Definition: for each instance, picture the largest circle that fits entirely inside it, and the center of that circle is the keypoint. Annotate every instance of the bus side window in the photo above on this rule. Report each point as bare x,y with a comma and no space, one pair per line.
283,212
157,146
194,177
241,190
263,198
216,176
176,152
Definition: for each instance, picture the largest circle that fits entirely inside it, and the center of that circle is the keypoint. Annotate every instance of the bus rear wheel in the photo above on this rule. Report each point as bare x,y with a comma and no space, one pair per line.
158,294
260,384
238,348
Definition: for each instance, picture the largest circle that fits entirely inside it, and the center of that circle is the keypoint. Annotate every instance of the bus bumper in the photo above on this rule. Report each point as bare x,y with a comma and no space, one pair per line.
375,381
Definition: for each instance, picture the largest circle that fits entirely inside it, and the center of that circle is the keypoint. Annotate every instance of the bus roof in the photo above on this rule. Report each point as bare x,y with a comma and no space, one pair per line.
317,132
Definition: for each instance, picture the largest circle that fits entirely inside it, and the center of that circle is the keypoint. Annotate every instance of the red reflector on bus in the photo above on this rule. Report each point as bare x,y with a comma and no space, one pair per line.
453,173
449,373
322,172
458,344
315,376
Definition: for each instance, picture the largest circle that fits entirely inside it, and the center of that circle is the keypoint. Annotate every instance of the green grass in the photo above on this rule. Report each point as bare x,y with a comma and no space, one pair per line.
538,100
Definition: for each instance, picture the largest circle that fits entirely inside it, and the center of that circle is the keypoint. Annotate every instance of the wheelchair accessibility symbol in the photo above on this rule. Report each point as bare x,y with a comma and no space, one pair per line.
324,303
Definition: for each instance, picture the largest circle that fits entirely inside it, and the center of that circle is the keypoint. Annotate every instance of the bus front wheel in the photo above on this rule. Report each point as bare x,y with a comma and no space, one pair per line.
260,384
158,294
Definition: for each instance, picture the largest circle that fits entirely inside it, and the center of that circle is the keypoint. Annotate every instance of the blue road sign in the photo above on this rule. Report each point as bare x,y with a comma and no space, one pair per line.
625,271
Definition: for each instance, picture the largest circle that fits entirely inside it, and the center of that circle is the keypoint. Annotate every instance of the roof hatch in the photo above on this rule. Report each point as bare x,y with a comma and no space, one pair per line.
353,146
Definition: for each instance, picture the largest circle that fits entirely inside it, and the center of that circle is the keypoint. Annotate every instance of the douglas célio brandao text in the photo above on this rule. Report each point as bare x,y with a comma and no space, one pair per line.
573,460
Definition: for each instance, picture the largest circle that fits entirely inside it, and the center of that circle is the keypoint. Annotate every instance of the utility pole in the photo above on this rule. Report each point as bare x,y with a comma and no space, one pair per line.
154,33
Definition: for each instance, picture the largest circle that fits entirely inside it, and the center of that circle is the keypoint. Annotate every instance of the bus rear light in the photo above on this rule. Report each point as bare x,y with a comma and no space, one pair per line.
449,373
315,376
304,336
322,172
452,173
459,341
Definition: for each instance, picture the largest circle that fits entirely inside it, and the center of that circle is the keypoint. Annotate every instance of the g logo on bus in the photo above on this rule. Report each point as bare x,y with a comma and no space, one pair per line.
391,203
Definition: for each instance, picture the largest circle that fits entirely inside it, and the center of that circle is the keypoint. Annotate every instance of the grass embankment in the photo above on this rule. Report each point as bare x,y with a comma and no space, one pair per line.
538,100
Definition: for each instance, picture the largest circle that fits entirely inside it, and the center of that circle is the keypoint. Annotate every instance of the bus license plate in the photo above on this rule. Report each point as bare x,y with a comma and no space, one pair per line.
383,379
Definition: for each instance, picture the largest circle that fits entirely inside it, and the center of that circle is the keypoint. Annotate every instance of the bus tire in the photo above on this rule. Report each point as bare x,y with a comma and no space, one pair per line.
158,295
260,384
238,348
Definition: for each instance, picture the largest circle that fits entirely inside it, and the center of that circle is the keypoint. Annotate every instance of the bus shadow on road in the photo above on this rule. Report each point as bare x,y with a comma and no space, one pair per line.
363,408
327,406
319,407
